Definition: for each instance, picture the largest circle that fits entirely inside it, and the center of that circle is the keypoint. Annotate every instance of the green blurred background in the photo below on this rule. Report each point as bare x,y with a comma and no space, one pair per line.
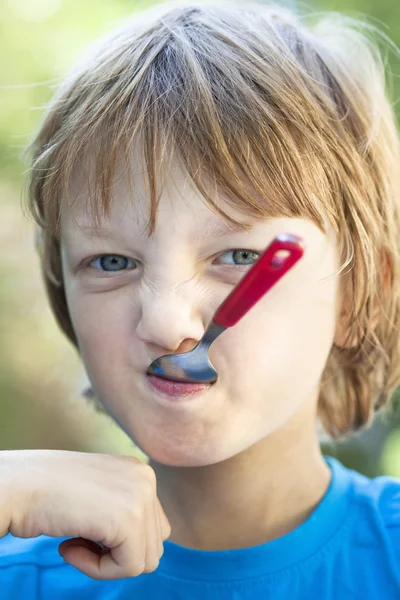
41,377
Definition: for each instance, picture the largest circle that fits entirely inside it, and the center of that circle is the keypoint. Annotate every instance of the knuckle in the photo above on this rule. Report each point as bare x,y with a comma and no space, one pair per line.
134,513
149,474
129,458
148,489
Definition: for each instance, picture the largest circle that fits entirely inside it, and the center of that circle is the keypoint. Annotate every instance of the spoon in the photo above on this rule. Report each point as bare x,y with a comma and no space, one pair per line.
194,366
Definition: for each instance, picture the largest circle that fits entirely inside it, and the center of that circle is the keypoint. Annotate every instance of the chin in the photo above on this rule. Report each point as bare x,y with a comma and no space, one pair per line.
171,455
202,455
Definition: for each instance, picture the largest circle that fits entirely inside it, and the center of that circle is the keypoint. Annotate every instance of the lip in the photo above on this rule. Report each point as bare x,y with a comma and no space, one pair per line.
176,391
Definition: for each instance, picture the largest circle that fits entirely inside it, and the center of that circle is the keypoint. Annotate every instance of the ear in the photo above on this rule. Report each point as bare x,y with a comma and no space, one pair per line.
345,299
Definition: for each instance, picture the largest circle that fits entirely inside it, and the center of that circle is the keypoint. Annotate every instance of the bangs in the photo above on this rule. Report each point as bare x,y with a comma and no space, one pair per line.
233,133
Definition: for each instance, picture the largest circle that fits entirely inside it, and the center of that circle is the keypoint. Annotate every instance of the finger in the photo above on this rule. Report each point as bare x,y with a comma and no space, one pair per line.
96,547
159,532
128,559
152,537
165,524
82,554
156,508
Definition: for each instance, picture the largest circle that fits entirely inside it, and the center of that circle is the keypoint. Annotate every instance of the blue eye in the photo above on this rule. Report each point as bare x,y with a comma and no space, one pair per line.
116,262
112,262
242,257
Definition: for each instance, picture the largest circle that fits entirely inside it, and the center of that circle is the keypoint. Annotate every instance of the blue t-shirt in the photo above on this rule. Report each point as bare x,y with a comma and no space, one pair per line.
349,548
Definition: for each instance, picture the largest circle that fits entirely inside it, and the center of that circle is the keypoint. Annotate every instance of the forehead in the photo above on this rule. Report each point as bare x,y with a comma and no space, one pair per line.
179,200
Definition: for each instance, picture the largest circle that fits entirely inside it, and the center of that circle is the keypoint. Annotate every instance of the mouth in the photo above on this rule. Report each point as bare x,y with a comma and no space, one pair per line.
177,389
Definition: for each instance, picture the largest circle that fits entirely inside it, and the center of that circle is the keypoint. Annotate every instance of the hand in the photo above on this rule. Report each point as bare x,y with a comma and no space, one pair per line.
110,499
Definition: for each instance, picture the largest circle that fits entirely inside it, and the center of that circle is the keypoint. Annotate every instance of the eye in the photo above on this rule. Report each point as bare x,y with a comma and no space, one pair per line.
241,257
111,262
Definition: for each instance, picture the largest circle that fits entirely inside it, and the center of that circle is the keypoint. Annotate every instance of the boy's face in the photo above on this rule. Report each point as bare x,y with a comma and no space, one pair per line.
161,300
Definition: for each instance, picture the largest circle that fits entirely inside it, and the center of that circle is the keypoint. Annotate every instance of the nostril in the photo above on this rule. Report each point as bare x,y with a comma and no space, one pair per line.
186,346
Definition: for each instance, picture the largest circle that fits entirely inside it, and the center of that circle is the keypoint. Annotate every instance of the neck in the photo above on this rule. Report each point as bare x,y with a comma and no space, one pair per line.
249,499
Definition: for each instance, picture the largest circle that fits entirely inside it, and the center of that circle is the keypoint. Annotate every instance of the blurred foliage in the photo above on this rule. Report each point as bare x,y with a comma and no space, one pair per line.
41,377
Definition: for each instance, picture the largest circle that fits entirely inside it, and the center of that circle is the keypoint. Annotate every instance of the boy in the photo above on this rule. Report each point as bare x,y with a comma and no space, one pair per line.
168,161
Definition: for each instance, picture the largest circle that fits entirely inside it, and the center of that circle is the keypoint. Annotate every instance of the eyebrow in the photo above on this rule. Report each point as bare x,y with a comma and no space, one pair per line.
220,229
211,229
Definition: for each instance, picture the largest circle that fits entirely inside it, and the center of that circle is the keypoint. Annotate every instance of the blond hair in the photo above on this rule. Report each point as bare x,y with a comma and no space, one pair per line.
286,115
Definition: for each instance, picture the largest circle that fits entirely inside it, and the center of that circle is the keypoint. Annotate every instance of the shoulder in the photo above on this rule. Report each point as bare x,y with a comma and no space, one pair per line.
371,505
378,500
367,550
385,493
381,494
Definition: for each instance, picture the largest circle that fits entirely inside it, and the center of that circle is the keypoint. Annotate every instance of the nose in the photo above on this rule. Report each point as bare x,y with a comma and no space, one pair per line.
169,322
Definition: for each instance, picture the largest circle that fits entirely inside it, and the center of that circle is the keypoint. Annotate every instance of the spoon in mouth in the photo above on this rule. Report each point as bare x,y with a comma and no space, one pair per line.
194,366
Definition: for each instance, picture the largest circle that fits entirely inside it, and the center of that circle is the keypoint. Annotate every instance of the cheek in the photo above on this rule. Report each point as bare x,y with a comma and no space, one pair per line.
101,326
281,346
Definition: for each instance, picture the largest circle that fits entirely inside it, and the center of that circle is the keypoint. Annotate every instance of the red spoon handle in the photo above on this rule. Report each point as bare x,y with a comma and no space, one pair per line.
265,273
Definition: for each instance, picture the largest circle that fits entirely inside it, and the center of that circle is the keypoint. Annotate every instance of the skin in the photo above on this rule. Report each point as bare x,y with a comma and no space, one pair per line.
244,465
